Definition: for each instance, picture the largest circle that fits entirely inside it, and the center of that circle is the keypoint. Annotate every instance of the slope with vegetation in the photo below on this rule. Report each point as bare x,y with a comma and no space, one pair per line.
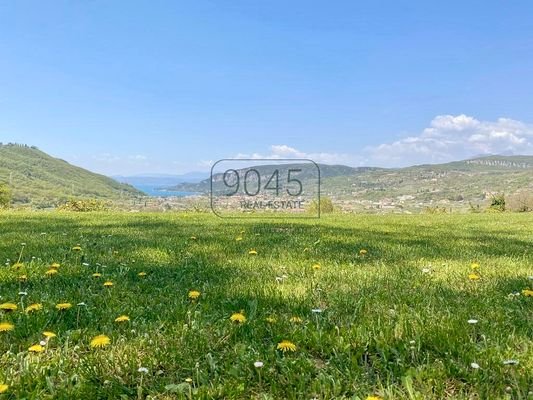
35,177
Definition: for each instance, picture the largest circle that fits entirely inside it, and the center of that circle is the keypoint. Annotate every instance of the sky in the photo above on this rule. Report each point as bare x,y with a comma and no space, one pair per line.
124,88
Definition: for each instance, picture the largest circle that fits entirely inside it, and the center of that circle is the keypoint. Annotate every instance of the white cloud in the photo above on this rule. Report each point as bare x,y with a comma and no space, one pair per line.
278,151
451,138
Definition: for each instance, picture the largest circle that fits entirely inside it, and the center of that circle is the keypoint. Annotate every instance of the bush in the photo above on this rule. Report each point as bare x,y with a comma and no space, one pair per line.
326,206
84,205
497,203
5,196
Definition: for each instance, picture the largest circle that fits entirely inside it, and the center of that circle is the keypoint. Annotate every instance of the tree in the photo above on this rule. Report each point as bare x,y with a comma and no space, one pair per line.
326,206
5,196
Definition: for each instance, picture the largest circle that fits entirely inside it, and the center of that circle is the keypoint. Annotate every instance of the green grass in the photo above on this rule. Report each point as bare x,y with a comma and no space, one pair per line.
387,327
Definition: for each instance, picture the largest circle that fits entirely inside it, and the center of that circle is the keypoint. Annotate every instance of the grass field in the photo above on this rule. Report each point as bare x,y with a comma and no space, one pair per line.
392,323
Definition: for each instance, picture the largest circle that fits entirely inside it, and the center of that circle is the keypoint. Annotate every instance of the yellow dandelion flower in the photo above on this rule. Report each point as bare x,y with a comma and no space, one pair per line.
296,320
363,252
252,252
194,294
23,278
97,275
3,388
474,265
122,318
527,292
36,348
55,265
286,345
49,335
34,307
141,274
316,267
373,398
473,277
238,318
108,284
77,248
51,272
63,306
8,307
100,341
270,320
6,326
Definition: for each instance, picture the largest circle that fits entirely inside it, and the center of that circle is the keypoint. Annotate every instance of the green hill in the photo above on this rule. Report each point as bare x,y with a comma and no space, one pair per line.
452,185
37,178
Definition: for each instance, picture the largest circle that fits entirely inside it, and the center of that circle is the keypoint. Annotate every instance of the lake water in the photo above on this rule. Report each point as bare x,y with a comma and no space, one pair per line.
157,192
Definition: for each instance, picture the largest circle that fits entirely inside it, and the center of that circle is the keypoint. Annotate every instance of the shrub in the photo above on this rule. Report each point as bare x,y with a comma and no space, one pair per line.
84,205
326,206
497,203
5,196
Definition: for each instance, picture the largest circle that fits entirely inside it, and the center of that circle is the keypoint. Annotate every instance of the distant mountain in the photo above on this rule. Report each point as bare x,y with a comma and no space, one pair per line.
158,180
456,183
35,177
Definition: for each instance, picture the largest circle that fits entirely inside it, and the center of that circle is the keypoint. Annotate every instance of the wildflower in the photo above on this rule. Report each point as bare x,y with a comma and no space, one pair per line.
316,267
51,272
473,276
141,274
373,398
474,365
258,364
143,370
8,307
296,320
6,326
3,388
18,265
63,306
122,318
100,341
510,362
252,252
97,275
472,321
36,348
527,292
474,266
108,283
238,318
270,320
286,345
363,252
34,307
55,265
77,248
49,335
194,294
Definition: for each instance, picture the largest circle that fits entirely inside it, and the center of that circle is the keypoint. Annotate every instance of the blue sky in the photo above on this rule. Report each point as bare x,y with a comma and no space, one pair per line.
132,87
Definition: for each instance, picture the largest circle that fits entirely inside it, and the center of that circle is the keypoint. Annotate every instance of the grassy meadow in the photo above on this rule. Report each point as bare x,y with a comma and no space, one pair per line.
395,307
